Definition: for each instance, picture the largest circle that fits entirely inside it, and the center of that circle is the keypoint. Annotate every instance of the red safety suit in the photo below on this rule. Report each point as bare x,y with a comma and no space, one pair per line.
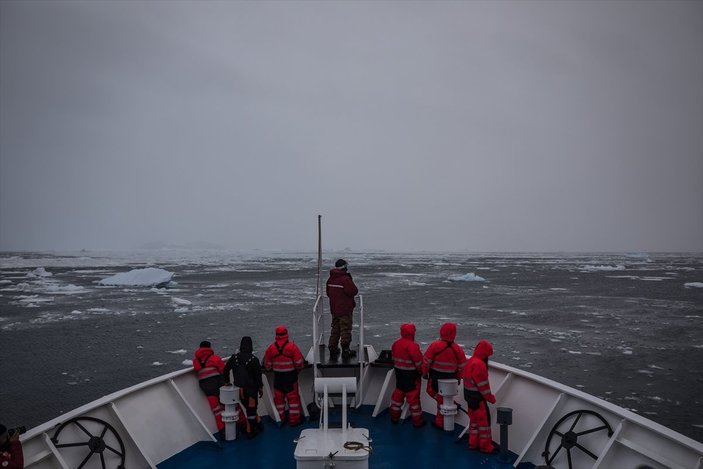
12,456
407,361
477,391
210,367
285,359
443,359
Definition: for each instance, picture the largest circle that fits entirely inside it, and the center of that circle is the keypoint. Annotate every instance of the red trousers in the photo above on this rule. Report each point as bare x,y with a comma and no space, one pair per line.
413,397
439,418
480,429
217,409
294,408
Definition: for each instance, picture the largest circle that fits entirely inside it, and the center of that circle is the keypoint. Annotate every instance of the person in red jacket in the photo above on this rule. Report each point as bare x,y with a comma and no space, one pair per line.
443,359
341,291
407,361
285,359
477,391
210,366
11,454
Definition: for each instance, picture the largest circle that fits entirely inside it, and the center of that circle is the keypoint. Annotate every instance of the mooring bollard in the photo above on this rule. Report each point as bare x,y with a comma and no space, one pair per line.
504,419
448,388
229,396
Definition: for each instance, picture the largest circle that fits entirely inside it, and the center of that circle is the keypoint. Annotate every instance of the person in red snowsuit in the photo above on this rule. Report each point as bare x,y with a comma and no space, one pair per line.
443,359
11,454
341,291
477,391
285,359
407,361
210,366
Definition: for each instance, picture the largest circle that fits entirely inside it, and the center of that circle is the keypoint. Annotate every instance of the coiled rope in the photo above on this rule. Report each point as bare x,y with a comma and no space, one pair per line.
356,446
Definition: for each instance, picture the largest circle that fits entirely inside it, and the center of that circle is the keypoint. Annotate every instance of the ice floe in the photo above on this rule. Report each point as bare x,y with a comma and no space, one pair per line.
469,277
602,268
148,277
40,272
693,284
69,289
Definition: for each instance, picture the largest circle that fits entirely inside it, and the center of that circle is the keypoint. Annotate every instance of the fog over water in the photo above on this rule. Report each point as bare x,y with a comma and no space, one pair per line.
625,328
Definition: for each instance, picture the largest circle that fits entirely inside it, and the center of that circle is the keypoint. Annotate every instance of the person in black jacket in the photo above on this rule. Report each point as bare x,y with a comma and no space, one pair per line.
246,370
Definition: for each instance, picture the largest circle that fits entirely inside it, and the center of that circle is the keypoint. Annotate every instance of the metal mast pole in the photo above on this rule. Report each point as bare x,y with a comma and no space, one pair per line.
319,255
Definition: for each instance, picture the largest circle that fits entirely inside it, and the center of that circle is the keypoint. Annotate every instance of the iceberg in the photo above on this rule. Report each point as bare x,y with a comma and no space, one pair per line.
470,277
39,272
693,285
149,277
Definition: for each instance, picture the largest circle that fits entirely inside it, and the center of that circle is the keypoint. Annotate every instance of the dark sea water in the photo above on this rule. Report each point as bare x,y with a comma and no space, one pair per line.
625,328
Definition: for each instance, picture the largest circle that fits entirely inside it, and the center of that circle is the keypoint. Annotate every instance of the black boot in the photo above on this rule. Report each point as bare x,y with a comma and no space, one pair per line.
334,354
347,353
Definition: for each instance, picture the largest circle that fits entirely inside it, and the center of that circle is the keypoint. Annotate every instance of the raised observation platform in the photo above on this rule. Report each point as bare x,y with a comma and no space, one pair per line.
339,362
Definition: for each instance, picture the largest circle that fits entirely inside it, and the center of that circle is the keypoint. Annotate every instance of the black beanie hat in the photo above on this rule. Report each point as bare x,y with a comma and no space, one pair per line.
246,345
205,343
341,264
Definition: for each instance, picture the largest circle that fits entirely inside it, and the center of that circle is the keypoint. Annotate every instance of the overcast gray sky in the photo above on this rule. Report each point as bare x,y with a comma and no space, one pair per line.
481,126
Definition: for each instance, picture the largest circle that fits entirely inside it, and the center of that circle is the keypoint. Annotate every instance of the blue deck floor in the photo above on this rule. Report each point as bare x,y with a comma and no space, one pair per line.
394,446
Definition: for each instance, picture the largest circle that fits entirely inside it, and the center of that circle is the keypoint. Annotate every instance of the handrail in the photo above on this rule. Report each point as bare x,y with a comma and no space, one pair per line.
317,332
362,351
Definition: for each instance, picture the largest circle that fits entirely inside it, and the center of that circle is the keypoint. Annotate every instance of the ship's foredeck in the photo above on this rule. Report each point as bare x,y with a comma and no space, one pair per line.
393,446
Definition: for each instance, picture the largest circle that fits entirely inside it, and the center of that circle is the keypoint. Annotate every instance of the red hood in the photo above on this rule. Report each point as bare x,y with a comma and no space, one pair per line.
203,352
448,331
483,350
407,331
281,335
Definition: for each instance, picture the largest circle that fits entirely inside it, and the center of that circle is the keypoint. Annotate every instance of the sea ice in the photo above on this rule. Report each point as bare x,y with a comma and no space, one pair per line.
604,268
64,289
469,277
39,272
148,277
693,285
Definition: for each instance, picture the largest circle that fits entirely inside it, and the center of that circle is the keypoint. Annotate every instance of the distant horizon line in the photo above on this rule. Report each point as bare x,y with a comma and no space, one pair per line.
342,250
